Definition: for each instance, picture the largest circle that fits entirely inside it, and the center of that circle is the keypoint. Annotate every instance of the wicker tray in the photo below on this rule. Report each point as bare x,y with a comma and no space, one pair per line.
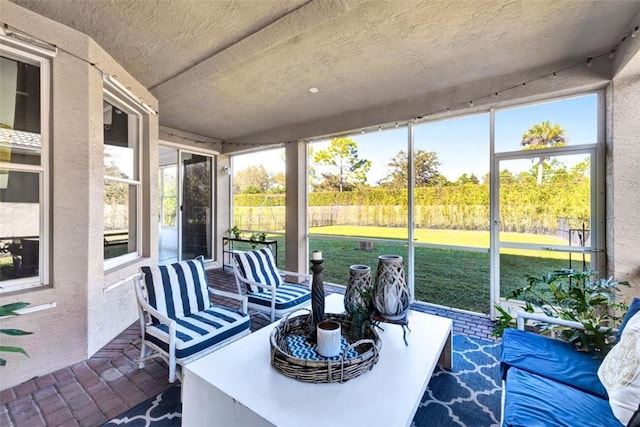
323,371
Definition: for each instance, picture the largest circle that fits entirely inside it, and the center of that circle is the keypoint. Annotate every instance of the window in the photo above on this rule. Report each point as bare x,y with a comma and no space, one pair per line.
358,199
168,196
24,100
258,197
494,197
122,188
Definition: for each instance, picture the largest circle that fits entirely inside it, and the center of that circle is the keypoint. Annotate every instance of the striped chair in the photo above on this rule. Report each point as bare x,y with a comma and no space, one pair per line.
178,321
258,277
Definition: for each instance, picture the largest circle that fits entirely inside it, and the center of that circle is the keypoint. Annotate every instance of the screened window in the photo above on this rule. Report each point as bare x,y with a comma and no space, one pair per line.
258,198
23,171
121,181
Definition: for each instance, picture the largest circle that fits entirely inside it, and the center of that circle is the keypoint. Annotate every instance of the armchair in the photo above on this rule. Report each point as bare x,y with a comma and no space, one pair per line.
178,321
268,293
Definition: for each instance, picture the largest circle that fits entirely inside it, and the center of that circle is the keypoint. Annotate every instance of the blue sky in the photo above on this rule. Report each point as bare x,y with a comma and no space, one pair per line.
462,144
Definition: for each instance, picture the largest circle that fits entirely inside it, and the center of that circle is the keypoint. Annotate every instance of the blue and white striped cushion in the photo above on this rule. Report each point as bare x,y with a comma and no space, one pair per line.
200,330
288,295
259,266
179,289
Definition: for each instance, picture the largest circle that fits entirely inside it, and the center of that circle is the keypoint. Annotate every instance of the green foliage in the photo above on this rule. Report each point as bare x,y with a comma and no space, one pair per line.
235,232
504,321
10,310
575,296
345,170
543,135
467,179
256,237
525,206
426,172
252,180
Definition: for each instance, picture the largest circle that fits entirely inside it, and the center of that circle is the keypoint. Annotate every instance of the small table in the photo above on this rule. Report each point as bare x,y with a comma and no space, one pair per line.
237,386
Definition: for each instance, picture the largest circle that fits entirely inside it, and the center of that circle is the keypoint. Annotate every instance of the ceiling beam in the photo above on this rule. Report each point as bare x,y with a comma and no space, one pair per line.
289,26
575,79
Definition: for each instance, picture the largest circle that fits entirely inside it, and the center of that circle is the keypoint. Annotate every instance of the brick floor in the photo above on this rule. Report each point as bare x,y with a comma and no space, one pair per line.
93,391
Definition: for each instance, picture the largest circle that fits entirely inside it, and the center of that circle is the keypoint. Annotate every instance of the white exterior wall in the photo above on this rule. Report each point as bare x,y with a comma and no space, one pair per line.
623,218
84,318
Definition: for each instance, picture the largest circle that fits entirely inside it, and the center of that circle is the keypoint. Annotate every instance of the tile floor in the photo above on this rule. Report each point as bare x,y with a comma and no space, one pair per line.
95,390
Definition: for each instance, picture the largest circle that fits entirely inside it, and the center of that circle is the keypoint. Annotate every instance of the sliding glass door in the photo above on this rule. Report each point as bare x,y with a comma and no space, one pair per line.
184,205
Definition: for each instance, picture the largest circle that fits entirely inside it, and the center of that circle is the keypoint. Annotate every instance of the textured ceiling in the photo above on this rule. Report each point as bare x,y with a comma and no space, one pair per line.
230,69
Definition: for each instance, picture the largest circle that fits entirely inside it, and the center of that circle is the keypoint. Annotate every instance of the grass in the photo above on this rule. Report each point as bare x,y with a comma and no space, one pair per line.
449,277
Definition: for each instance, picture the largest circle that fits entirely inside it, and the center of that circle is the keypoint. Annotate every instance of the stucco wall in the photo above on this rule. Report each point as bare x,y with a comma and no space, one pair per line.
84,318
624,187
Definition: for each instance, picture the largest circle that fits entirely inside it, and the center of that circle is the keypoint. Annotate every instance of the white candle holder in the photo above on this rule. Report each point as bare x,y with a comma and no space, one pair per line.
329,338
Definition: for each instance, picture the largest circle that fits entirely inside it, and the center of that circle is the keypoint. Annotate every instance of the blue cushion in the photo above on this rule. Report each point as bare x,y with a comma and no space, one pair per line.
200,330
288,296
179,289
258,266
532,400
634,307
550,358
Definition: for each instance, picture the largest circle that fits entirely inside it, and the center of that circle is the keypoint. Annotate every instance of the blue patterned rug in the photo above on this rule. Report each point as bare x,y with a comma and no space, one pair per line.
468,396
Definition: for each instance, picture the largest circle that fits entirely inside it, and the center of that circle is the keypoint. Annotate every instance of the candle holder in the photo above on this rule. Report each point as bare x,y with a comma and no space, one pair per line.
317,297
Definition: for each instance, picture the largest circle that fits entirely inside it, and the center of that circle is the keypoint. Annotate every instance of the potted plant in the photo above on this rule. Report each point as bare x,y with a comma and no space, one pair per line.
10,310
257,237
576,296
235,232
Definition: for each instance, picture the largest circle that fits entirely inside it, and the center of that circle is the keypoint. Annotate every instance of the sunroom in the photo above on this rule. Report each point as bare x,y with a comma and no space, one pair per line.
139,133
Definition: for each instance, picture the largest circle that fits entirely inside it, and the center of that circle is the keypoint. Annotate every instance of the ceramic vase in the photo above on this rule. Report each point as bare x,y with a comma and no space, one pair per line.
391,296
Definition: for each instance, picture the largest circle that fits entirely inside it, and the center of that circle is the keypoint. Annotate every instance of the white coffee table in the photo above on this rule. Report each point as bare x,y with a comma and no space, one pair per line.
237,386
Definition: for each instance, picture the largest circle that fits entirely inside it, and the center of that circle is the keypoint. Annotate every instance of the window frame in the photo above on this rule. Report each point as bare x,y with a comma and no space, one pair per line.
164,197
24,52
596,150
115,96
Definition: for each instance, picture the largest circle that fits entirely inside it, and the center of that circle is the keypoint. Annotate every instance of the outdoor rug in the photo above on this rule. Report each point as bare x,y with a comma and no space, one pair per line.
468,396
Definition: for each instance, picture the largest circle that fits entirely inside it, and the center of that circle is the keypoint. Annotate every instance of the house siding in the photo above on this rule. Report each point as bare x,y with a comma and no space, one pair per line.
84,317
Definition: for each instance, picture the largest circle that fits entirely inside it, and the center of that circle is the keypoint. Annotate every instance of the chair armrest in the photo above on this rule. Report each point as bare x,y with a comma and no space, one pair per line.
155,313
242,298
253,283
522,316
305,276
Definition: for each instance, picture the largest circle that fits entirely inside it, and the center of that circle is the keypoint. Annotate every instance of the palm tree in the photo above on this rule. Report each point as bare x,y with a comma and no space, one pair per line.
543,135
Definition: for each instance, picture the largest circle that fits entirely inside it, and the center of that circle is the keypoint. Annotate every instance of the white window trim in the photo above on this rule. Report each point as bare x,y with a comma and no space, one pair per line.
22,51
125,101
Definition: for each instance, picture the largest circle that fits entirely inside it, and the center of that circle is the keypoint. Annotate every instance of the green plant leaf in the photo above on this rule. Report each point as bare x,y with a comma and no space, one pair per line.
9,349
9,309
2,362
14,332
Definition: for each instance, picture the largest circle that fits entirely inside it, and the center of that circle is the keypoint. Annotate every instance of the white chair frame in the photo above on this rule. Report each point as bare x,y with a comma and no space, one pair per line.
269,313
150,350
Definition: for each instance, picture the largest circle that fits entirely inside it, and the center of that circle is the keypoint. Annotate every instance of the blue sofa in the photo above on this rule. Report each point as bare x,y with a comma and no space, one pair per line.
546,382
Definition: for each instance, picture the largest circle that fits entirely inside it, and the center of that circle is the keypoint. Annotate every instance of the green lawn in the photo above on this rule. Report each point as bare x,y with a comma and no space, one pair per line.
447,277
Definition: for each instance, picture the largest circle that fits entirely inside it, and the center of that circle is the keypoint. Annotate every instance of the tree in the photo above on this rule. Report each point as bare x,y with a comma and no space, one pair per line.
543,135
345,169
252,180
426,172
278,183
467,179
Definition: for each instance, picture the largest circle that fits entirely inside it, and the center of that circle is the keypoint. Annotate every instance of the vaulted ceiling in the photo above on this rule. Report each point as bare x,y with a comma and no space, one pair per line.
231,70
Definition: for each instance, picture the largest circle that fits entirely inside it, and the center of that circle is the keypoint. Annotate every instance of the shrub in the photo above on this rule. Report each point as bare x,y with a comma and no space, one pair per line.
576,296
